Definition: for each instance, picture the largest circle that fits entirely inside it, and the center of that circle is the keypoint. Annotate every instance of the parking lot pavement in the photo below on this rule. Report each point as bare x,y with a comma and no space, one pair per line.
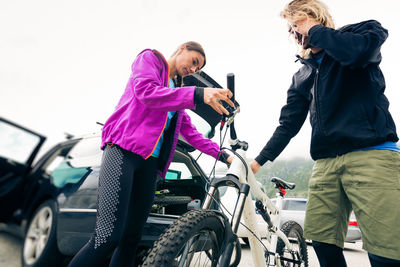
10,250
353,252
10,253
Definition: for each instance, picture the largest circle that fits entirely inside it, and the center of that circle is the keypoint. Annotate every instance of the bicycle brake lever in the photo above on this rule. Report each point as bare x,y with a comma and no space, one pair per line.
232,114
237,144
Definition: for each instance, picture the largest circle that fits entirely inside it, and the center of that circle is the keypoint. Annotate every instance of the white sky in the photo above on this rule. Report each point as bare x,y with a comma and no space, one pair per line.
64,64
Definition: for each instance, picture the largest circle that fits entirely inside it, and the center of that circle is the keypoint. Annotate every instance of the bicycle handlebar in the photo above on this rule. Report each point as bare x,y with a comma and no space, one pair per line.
230,79
235,143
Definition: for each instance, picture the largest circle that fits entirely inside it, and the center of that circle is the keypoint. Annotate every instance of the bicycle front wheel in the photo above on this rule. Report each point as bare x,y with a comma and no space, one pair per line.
297,256
194,239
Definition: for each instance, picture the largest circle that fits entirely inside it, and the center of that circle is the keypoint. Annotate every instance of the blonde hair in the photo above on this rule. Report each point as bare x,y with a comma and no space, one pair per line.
300,9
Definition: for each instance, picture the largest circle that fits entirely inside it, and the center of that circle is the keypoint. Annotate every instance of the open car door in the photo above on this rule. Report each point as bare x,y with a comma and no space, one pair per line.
203,116
18,148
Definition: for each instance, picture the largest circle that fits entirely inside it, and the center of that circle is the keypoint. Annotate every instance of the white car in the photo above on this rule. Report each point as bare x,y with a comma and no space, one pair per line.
293,209
228,200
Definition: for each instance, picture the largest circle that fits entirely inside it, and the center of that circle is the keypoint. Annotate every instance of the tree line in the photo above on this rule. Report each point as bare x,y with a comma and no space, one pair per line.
296,170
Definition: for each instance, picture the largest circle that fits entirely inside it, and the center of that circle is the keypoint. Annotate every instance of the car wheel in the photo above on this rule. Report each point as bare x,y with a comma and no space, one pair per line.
40,244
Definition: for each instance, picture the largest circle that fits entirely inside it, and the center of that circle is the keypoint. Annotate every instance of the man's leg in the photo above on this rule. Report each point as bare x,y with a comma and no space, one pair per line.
327,213
372,183
378,261
329,255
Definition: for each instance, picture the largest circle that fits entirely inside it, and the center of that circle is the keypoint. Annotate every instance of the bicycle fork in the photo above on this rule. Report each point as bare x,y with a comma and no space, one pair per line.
230,240
242,207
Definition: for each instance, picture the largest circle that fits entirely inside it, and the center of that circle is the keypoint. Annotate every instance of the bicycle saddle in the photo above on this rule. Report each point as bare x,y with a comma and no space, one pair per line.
280,183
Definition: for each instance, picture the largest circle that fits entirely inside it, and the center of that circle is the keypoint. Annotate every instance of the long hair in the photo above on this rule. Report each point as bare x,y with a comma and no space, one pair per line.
301,9
191,46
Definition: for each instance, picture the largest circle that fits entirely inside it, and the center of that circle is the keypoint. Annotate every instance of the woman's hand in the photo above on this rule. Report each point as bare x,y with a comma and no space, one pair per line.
213,96
229,159
255,166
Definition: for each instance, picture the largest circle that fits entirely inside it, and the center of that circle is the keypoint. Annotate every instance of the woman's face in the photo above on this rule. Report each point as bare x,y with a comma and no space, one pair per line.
188,62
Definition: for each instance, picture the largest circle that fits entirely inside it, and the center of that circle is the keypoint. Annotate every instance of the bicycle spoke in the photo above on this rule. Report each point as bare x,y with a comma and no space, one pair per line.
192,252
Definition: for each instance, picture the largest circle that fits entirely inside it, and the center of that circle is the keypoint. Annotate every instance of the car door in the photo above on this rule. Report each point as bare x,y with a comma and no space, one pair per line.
18,148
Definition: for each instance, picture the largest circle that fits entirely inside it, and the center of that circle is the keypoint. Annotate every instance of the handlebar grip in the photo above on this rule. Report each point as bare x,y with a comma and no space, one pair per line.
230,77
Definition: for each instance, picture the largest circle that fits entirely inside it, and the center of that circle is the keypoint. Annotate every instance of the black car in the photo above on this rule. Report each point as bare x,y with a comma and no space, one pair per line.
54,201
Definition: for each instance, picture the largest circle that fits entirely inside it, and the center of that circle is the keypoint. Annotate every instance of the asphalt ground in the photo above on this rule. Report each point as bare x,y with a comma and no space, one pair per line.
11,245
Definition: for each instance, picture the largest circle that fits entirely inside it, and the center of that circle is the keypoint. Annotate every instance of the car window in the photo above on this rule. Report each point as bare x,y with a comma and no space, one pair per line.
78,163
296,205
16,144
87,152
178,171
201,125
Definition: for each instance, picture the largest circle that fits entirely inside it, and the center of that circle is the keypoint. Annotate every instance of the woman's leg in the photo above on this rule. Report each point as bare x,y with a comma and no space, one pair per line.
144,186
115,185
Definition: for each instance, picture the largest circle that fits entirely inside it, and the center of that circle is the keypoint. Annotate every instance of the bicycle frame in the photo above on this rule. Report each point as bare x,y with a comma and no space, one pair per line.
236,177
221,231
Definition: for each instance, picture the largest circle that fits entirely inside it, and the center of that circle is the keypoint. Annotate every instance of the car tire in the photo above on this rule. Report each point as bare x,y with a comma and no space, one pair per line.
40,242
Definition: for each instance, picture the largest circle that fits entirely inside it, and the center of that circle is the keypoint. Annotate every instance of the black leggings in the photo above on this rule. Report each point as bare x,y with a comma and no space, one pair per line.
125,196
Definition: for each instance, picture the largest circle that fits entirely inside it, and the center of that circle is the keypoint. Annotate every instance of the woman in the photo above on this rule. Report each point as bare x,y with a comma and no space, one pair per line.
139,139
353,137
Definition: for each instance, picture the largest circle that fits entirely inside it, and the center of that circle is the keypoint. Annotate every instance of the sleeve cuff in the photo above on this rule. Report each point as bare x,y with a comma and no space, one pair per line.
314,28
223,157
198,95
261,160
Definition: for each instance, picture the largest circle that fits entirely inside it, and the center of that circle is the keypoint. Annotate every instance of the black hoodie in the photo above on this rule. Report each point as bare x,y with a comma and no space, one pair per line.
344,94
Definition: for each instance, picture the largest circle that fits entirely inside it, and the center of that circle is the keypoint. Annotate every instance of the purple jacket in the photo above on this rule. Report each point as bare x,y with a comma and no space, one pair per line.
141,114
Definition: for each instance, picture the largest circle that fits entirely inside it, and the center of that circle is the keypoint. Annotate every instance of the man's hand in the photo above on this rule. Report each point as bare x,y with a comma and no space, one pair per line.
304,25
213,96
255,166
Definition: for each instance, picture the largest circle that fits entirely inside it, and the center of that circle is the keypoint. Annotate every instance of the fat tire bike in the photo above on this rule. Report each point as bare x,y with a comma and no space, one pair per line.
207,237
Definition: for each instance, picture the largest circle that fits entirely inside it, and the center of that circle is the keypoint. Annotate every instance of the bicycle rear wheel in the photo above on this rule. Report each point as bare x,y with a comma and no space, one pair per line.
298,256
194,239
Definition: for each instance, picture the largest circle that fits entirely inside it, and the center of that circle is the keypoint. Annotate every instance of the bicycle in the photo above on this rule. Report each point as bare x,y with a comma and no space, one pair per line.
210,232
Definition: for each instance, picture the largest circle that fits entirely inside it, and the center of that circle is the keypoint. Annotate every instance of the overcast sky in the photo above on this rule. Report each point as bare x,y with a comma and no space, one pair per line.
64,64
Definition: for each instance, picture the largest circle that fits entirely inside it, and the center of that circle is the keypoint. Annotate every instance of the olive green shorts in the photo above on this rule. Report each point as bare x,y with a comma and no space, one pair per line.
367,182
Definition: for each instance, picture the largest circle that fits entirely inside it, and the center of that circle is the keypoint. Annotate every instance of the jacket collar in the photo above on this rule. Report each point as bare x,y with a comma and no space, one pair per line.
309,61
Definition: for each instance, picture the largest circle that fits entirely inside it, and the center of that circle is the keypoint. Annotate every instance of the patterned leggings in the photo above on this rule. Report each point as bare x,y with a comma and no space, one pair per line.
125,196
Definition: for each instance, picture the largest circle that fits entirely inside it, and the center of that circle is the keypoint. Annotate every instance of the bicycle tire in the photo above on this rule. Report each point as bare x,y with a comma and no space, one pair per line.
171,200
294,232
187,232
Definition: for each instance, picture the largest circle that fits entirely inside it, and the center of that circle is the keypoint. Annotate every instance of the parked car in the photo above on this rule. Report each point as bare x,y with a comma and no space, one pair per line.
293,209
228,197
54,201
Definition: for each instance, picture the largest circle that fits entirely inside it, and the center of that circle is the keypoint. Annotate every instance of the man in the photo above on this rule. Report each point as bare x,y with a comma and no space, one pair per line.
353,134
